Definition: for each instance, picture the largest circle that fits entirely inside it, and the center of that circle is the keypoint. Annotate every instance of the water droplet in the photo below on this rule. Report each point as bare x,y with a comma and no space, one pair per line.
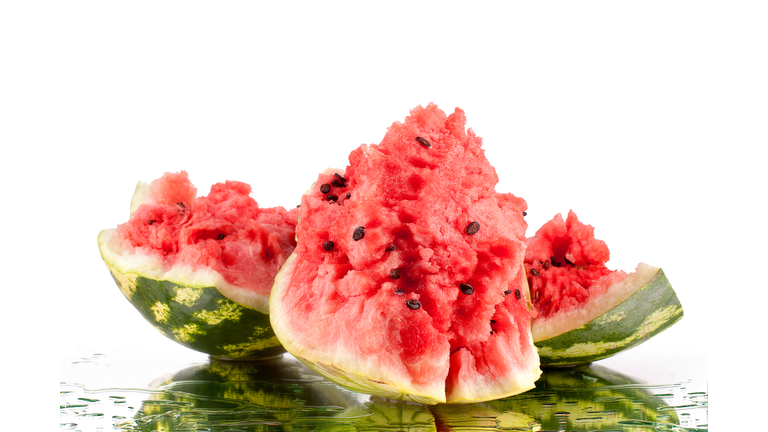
88,400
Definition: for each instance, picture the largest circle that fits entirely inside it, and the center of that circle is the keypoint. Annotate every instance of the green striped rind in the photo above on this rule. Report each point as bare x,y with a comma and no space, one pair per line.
200,318
650,310
194,315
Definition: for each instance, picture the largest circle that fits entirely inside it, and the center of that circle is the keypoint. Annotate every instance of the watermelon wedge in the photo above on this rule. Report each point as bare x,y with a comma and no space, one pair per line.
200,269
584,311
407,281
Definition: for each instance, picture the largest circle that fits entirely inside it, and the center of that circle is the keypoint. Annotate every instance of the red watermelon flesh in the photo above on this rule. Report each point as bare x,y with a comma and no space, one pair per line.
392,281
566,267
225,231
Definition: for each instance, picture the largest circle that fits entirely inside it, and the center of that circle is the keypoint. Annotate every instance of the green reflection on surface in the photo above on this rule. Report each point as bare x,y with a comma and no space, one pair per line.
281,394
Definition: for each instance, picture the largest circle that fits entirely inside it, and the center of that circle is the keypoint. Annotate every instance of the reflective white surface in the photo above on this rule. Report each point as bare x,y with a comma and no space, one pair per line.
647,119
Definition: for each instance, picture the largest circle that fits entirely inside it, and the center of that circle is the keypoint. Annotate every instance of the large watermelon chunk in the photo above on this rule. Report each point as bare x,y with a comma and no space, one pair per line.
200,269
408,279
583,310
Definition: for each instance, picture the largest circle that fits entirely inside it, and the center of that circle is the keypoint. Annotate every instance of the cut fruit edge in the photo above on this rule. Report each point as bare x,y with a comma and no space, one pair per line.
140,263
650,307
327,364
333,369
133,263
547,328
349,374
140,194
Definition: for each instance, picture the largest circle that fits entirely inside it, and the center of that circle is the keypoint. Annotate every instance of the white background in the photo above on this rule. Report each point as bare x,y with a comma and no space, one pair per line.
647,118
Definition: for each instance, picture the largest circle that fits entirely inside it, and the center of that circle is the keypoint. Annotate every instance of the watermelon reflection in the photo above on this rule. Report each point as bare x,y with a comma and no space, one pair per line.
282,394
260,395
587,398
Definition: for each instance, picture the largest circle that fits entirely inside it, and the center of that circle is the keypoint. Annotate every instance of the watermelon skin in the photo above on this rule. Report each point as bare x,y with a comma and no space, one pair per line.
199,317
584,311
225,232
200,269
653,308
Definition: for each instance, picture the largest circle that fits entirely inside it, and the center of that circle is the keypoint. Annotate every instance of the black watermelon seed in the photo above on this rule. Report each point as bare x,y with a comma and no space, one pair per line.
340,177
413,304
398,291
331,198
395,274
349,195
181,204
534,272
546,265
507,292
525,213
359,233
390,248
466,289
338,183
473,227
220,237
151,221
493,321
554,263
328,245
423,142
568,262
491,331
517,293
325,188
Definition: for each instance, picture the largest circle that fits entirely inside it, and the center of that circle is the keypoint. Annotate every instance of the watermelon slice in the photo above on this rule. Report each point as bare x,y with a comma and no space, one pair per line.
584,311
200,269
407,281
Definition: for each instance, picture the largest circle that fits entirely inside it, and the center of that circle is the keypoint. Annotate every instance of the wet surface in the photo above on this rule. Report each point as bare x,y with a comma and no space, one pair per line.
280,394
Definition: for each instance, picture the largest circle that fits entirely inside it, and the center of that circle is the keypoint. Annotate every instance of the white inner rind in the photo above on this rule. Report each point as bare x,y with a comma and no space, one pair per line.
140,194
143,263
361,374
555,325
528,371
365,374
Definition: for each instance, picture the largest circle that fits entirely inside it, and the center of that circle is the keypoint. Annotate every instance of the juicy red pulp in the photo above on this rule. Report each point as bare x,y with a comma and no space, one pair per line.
431,213
225,231
565,266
